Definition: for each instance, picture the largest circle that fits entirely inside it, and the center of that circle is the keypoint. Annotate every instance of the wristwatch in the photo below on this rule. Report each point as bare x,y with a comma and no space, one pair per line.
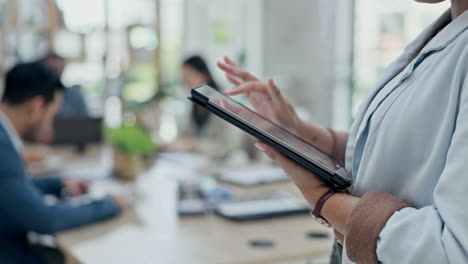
318,208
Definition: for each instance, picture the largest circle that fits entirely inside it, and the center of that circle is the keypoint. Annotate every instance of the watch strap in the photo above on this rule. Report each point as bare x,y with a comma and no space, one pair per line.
318,207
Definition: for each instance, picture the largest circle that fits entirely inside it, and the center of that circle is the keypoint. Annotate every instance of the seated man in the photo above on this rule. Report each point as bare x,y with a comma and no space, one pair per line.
32,95
74,103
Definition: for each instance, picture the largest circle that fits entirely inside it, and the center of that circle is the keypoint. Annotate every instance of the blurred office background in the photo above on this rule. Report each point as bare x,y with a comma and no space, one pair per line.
325,54
127,54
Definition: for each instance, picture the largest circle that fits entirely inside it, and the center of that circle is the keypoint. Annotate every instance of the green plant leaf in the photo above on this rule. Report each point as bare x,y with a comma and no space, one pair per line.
132,140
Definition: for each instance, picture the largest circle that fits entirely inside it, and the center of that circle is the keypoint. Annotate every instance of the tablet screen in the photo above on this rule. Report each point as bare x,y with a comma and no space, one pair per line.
257,121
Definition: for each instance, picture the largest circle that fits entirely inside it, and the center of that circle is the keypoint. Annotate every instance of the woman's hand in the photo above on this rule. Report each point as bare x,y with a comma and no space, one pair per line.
234,73
266,98
309,184
336,210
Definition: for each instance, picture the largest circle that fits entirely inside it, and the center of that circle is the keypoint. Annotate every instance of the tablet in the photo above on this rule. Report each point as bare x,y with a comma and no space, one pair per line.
309,156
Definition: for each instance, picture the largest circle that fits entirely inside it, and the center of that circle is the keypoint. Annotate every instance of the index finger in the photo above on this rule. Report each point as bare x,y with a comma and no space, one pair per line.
228,60
248,87
236,71
233,79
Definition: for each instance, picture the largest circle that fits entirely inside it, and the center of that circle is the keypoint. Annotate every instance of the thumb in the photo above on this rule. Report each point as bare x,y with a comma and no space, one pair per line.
276,156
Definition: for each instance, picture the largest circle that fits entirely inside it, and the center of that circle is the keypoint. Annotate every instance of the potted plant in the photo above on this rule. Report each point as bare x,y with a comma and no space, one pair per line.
130,144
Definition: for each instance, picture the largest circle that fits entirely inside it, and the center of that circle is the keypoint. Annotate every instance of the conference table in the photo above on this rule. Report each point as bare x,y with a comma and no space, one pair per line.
151,231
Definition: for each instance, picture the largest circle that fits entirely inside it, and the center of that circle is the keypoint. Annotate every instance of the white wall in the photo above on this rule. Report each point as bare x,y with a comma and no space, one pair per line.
245,32
293,41
344,60
294,52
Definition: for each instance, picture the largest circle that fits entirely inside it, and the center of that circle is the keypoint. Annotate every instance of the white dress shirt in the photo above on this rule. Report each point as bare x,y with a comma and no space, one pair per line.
12,133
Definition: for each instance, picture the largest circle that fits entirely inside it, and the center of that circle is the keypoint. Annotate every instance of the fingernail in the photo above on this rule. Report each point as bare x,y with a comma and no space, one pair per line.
260,146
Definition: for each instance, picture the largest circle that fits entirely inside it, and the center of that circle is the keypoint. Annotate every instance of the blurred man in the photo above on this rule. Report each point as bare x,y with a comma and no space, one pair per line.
74,103
32,96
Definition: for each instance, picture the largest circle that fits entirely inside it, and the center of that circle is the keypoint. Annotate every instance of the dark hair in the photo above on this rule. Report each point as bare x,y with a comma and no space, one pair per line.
200,116
28,80
52,55
199,65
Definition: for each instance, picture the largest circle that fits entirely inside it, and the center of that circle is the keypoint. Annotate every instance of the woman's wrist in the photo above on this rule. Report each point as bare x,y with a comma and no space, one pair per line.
307,131
313,193
318,192
316,135
298,128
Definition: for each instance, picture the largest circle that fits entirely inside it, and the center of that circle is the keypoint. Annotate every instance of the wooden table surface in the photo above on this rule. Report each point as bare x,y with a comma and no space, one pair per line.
152,232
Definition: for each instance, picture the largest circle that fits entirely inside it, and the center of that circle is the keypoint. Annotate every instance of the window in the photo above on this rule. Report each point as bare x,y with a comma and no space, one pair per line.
119,48
382,30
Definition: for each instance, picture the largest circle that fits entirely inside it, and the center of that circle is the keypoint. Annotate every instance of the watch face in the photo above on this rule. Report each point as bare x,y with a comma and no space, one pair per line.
322,221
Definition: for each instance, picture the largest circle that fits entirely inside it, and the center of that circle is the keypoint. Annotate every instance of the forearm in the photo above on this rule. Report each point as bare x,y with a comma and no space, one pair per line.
358,221
339,208
64,216
21,200
51,185
328,140
336,210
340,139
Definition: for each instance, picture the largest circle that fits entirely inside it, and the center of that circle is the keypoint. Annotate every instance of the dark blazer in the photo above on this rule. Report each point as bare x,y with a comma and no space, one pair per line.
22,208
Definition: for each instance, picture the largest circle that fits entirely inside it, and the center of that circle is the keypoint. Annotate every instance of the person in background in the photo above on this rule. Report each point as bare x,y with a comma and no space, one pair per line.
195,72
32,96
202,131
74,103
406,153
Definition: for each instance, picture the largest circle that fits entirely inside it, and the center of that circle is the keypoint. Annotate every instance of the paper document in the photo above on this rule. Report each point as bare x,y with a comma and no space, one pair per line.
253,175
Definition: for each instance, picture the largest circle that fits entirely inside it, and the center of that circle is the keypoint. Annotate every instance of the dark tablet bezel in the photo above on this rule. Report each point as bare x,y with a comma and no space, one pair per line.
337,179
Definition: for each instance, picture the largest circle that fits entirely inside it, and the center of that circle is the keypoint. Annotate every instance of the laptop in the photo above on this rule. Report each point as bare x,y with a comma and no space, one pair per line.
78,130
